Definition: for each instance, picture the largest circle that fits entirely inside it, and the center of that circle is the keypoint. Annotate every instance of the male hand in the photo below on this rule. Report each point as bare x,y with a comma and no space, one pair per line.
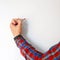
16,26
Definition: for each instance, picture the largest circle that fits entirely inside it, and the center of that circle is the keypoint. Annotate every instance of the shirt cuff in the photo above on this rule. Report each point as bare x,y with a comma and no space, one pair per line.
17,37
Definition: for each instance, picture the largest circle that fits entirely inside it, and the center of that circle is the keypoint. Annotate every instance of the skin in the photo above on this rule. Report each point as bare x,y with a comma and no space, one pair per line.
16,26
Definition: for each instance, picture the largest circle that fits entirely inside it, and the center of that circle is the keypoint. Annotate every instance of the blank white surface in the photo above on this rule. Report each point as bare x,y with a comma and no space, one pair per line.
42,28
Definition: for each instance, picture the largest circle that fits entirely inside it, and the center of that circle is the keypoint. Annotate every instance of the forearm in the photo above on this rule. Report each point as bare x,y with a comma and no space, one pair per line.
26,49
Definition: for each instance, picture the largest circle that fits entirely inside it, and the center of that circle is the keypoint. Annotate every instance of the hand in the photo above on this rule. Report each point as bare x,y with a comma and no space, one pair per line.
16,26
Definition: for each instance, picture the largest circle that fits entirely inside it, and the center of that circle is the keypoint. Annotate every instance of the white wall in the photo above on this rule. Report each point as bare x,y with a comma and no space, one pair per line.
41,29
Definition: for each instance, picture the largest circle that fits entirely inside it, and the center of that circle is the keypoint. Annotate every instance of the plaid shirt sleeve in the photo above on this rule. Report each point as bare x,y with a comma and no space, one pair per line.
30,53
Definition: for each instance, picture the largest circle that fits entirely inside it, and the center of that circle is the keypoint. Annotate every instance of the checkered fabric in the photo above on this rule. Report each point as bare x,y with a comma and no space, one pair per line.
30,53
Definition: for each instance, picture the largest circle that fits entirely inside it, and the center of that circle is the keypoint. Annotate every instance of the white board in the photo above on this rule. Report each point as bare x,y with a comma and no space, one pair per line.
41,28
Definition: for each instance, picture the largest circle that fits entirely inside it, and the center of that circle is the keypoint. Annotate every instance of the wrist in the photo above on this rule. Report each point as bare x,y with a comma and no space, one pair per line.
16,34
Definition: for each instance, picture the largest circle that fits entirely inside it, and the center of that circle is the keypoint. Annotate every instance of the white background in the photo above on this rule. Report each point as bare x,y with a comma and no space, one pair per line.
41,28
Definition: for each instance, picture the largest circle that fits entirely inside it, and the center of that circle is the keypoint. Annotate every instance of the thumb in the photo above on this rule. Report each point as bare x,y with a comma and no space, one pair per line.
13,23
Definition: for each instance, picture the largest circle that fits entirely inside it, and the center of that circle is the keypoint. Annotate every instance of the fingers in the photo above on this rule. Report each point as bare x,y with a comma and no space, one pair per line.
14,22
17,21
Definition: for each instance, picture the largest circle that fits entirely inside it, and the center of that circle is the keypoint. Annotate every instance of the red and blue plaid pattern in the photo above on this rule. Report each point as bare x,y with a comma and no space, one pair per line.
30,53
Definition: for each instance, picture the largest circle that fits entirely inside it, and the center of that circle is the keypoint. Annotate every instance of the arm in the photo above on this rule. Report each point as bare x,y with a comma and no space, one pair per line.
29,52
26,49
53,53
